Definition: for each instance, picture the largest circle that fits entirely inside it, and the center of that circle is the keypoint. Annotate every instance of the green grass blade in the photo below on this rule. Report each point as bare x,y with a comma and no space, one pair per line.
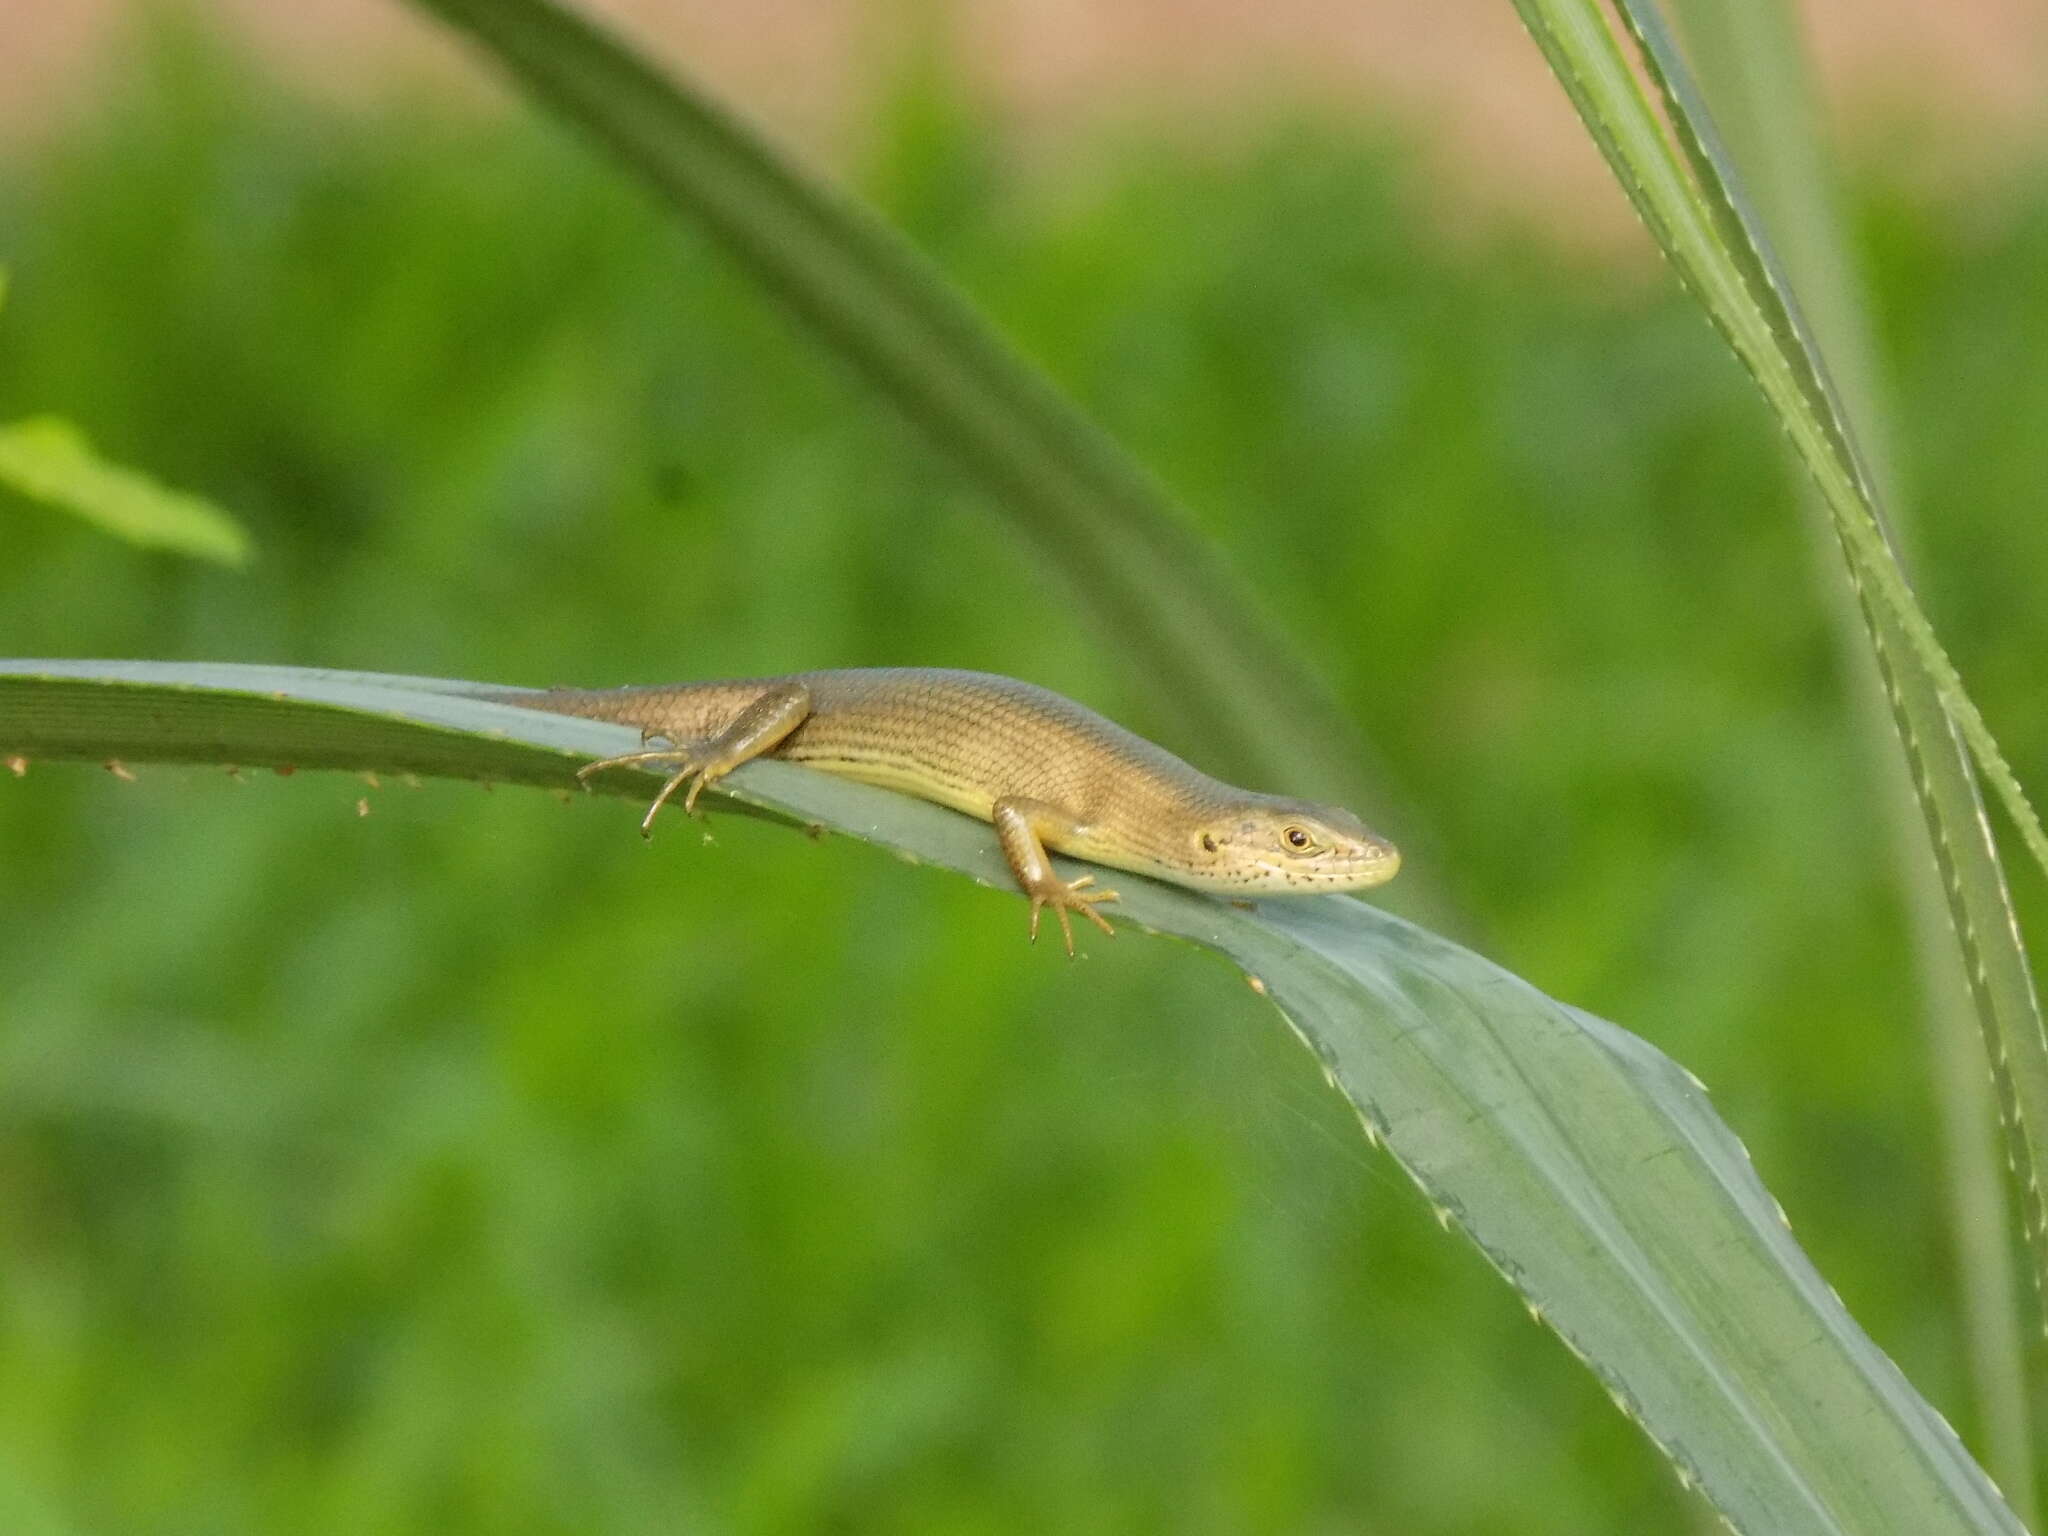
1689,195
1588,1167
1752,66
1202,652
49,460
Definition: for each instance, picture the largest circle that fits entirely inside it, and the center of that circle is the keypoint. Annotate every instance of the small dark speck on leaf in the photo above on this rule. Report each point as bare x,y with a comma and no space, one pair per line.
285,770
815,831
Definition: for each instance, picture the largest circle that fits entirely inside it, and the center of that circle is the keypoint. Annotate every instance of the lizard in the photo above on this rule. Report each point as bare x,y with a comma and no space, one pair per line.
1044,771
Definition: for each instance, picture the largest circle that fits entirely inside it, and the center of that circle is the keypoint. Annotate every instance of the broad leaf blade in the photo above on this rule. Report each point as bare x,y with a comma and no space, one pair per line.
49,460
1689,195
1588,1167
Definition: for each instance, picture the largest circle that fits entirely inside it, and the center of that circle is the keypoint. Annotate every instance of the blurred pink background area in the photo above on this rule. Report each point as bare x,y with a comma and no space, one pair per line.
1966,74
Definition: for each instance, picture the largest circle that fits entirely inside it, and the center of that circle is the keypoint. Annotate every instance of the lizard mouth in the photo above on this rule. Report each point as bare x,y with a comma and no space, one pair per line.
1378,866
1351,869
1374,864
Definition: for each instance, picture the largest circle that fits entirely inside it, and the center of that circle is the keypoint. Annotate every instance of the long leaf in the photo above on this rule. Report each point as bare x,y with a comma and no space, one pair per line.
1688,193
1588,1167
1754,69
1203,653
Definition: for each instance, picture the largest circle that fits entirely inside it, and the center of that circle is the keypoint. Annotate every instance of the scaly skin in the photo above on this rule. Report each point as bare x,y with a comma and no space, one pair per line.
1046,772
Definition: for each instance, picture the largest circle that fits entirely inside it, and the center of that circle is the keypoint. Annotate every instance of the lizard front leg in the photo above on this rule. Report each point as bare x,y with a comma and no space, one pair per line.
759,728
1021,827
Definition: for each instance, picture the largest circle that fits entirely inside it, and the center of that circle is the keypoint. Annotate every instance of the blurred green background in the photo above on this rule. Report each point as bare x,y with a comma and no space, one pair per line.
472,1167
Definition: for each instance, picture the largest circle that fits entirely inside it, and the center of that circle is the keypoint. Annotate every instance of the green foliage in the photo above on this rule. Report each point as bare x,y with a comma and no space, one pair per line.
468,1167
1683,183
1766,101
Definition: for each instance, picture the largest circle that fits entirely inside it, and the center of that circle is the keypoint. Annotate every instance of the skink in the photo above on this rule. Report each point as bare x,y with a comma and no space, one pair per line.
1044,771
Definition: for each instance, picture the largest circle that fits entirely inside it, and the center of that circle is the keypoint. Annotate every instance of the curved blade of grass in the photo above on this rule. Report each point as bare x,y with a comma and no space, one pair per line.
1752,65
1201,650
1588,1167
1686,189
47,459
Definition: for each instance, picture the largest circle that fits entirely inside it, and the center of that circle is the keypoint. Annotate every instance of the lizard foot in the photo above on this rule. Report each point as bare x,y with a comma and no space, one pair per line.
689,769
1065,896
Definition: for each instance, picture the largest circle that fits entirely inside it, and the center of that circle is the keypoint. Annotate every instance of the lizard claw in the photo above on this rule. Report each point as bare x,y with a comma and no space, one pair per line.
1065,896
692,773
627,760
688,770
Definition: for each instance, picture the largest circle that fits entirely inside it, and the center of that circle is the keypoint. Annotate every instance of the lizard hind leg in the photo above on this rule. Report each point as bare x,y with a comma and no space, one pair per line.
756,730
1021,827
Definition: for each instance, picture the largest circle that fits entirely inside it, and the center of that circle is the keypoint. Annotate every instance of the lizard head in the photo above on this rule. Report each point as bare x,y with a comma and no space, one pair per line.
1275,845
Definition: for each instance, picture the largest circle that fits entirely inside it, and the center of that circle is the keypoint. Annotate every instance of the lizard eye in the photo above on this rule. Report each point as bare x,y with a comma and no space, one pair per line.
1297,838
